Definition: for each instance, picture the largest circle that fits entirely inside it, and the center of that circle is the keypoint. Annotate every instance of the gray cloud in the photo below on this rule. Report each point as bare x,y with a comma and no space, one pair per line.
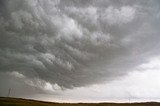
72,43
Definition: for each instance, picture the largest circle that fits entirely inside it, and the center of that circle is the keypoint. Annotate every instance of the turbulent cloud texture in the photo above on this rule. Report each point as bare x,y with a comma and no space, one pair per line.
58,44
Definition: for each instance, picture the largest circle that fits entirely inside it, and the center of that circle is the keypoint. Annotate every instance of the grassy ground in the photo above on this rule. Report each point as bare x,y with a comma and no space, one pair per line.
26,102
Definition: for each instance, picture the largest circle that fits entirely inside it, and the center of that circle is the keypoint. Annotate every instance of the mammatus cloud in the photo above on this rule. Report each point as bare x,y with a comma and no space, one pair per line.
59,44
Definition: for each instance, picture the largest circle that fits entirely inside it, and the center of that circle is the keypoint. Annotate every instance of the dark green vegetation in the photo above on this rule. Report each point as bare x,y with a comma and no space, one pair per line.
27,102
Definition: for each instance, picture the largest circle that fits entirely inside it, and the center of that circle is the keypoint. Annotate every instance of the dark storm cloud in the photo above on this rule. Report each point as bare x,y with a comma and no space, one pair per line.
73,43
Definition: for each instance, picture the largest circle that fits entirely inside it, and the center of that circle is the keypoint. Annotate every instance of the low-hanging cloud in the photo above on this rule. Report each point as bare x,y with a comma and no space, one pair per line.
70,43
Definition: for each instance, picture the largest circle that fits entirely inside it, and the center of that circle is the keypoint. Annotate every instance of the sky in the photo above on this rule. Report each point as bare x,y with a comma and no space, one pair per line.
80,50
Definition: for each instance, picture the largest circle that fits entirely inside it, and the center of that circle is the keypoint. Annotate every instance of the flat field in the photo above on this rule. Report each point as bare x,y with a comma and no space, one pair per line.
27,102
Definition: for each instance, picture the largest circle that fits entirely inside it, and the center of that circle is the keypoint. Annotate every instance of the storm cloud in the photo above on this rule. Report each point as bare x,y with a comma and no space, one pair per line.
63,44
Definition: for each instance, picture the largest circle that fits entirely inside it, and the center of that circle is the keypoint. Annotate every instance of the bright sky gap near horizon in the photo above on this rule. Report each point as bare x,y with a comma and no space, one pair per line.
80,50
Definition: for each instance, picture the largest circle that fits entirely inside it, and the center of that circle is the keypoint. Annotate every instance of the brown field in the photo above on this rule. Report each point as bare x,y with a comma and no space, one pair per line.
27,102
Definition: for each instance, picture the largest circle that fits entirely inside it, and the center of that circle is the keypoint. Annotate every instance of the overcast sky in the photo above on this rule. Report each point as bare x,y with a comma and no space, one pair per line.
80,50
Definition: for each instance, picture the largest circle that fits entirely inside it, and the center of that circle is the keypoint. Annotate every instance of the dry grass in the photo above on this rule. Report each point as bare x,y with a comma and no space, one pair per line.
26,102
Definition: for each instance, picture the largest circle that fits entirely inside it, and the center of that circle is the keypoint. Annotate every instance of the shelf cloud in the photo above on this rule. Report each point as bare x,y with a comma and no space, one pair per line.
62,44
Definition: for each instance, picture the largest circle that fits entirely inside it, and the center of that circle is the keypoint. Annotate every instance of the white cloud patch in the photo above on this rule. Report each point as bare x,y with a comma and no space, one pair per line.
17,74
119,16
85,14
68,27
